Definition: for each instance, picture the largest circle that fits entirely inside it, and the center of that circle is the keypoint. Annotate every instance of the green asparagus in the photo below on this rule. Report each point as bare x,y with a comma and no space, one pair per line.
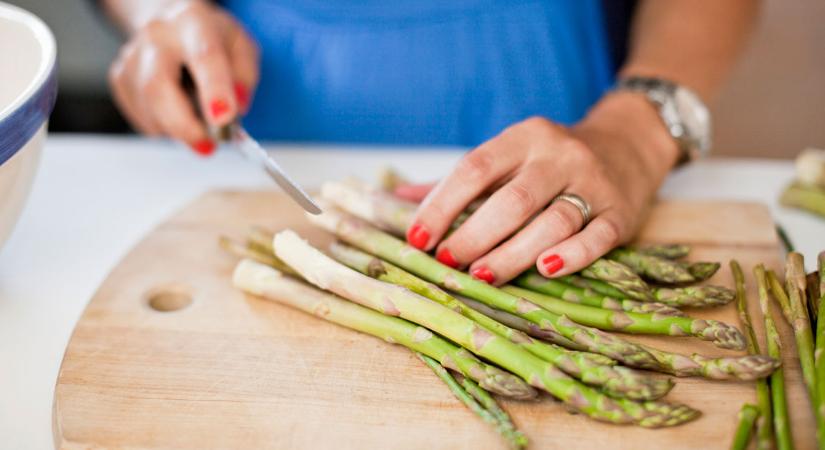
701,271
689,296
694,296
619,276
809,198
652,267
366,237
395,300
614,381
747,416
488,402
819,354
721,334
264,281
559,289
764,426
669,251
781,420
515,439
795,283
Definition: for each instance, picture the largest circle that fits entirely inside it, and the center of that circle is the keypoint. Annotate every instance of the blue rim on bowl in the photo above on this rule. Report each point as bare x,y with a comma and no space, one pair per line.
28,113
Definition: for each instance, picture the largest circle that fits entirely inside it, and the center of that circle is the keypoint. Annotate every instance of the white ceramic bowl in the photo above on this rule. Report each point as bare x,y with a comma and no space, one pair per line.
28,87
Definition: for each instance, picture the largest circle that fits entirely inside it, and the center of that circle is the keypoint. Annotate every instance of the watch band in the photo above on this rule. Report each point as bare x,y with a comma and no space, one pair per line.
662,94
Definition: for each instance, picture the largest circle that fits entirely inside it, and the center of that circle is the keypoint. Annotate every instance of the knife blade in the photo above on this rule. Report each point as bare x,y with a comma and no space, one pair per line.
253,151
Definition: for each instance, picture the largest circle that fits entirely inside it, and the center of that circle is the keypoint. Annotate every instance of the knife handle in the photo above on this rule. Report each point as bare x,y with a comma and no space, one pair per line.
219,134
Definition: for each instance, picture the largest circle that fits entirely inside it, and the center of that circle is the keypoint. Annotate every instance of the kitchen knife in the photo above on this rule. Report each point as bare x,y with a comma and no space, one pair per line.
237,136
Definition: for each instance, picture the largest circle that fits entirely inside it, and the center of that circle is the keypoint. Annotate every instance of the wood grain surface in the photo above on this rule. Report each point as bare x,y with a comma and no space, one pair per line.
227,370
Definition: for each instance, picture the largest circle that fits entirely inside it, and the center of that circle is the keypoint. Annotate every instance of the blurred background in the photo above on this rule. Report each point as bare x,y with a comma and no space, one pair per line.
773,105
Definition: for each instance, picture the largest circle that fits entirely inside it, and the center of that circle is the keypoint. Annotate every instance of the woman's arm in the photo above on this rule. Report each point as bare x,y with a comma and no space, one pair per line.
615,158
130,15
691,42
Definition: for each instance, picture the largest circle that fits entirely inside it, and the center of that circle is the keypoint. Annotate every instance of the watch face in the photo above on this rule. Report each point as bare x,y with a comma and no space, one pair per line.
695,117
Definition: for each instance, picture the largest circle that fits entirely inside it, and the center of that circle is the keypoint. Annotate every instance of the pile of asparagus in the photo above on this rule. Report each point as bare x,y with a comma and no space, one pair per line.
536,334
807,191
802,303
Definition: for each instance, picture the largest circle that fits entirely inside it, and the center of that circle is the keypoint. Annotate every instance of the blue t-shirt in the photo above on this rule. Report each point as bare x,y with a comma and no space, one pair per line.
421,72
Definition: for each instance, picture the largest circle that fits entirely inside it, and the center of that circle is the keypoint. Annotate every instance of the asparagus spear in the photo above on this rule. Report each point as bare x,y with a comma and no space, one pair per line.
813,294
694,296
614,381
619,276
264,281
809,198
652,267
669,251
372,240
795,282
819,355
488,402
689,296
747,417
391,299
390,179
701,271
244,251
742,307
764,427
779,295
781,421
515,439
721,334
559,289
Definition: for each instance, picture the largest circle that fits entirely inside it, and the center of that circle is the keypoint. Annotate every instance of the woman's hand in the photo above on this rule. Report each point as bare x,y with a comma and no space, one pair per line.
615,159
192,34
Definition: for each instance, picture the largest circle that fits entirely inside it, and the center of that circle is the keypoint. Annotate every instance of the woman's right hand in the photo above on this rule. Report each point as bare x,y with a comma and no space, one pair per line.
221,57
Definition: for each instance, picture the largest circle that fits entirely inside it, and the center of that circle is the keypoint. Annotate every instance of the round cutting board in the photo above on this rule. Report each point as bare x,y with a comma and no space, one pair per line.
169,355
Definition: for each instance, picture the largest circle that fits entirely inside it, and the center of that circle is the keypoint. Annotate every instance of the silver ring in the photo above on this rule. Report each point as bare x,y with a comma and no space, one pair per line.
579,203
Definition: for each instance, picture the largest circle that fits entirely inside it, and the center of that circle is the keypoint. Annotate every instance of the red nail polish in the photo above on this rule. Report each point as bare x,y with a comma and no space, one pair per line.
218,108
552,263
204,147
242,95
418,236
483,274
446,258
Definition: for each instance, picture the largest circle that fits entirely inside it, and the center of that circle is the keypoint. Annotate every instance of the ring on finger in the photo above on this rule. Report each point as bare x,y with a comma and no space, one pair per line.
578,202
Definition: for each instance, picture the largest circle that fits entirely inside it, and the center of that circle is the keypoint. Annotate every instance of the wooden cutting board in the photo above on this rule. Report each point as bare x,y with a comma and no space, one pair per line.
169,355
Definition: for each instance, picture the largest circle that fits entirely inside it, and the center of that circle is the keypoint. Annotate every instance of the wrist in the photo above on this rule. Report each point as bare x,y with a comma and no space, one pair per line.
631,117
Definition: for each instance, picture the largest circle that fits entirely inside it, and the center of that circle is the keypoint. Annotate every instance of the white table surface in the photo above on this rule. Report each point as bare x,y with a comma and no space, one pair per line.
95,197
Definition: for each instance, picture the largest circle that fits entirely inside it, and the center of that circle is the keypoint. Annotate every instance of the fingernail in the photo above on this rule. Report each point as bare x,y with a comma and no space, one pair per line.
218,108
483,274
418,236
242,95
204,147
552,264
446,258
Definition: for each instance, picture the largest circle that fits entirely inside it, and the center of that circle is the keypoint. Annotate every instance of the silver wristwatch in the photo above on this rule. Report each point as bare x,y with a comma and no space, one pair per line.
682,111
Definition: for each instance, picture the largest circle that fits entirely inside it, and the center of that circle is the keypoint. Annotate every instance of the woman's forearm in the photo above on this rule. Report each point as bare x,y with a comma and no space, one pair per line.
691,42
130,15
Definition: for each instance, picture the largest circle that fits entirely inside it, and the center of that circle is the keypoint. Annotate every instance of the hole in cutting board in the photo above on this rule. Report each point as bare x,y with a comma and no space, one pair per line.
169,298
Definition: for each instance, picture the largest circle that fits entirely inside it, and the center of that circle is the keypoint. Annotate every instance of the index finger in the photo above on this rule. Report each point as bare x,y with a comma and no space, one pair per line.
206,58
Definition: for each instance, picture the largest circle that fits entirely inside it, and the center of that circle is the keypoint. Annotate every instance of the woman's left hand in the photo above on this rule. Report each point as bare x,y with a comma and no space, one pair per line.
615,159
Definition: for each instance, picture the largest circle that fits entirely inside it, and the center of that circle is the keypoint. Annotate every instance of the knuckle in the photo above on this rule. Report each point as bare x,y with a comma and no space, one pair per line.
538,122
476,165
610,232
578,152
561,221
521,198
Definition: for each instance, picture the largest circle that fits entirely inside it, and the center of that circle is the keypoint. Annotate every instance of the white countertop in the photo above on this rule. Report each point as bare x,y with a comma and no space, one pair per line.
95,198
